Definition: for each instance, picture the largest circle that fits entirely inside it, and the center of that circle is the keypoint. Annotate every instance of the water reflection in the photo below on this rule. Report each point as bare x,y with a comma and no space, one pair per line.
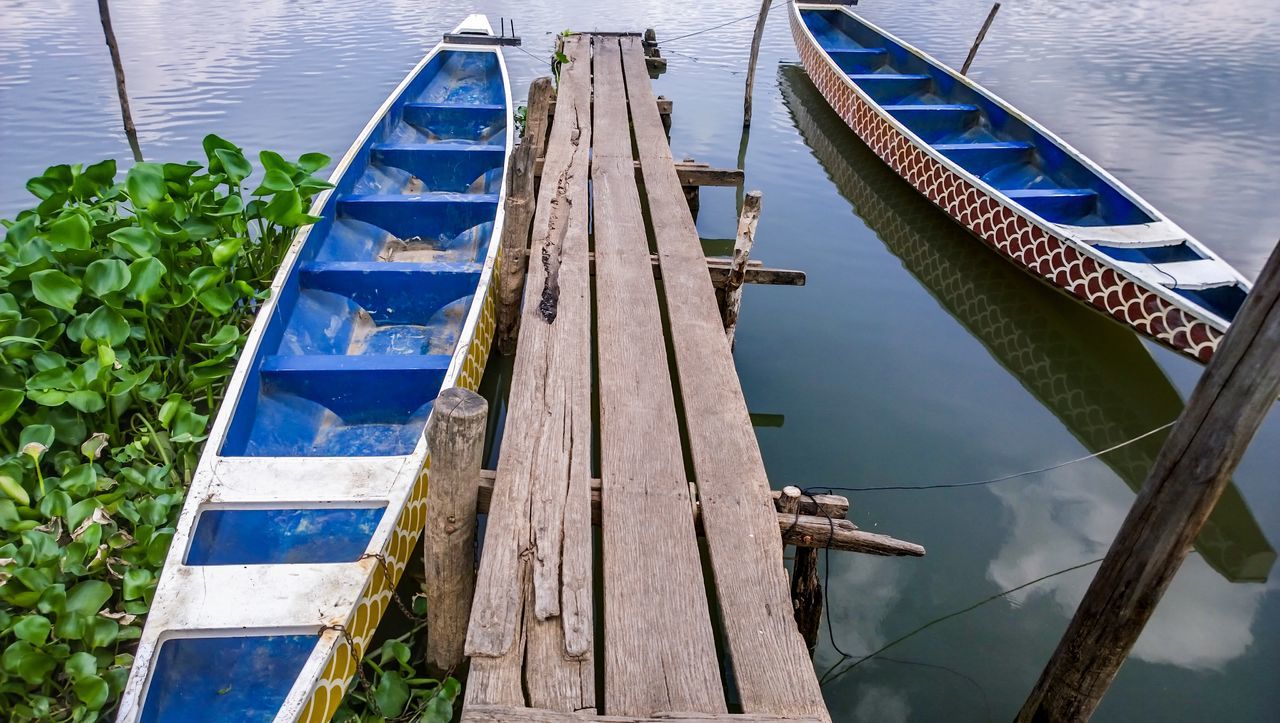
1092,374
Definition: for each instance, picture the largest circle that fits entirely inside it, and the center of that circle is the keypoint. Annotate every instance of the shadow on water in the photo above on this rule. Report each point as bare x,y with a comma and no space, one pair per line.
1088,371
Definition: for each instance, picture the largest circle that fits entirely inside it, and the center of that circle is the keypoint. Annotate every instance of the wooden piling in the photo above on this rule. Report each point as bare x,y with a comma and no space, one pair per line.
730,294
130,132
982,34
1228,405
691,192
519,210
751,64
455,438
806,589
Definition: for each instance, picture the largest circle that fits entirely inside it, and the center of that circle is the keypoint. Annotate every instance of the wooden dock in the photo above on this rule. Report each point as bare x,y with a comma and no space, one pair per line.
626,412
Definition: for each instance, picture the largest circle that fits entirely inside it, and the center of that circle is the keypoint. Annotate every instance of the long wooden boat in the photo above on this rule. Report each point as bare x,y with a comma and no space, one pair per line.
310,495
1093,375
1018,187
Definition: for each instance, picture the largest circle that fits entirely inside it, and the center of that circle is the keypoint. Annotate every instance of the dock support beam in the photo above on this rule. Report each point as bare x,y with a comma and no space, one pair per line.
519,210
806,589
455,438
730,294
1228,405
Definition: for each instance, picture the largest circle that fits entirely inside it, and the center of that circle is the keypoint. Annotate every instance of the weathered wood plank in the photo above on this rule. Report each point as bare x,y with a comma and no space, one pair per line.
505,714
536,565
690,174
770,661
824,506
518,217
719,268
665,105
660,650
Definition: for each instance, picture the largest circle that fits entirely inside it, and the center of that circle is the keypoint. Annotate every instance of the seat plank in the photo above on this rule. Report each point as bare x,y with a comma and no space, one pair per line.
770,661
660,652
532,614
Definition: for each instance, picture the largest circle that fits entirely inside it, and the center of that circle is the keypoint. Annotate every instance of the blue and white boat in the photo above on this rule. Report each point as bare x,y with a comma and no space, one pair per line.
311,492
1021,189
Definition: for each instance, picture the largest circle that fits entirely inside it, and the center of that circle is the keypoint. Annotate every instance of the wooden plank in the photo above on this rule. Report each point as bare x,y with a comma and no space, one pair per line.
1229,404
719,269
536,566
519,209
770,661
824,506
690,174
505,714
660,651
665,105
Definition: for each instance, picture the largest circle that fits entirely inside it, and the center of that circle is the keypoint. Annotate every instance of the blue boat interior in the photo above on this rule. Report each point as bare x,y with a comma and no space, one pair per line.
995,145
241,678
282,536
367,321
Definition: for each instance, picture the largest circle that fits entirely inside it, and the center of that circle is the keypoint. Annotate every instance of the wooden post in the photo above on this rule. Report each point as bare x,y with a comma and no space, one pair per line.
973,50
692,194
104,15
751,64
806,589
455,440
1228,405
519,208
730,294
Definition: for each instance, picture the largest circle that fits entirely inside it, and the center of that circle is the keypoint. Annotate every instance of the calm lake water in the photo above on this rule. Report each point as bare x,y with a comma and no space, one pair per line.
912,357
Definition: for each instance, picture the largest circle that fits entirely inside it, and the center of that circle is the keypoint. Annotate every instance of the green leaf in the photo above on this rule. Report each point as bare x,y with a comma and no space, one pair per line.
145,275
22,230
391,694
180,172
101,632
106,324
69,232
33,628
145,183
274,181
56,289
27,662
88,597
14,490
312,162
234,163
205,277
106,276
92,691
273,161
9,518
38,433
212,143
227,250
136,241
80,665
230,206
80,481
219,300
227,334
136,582
10,400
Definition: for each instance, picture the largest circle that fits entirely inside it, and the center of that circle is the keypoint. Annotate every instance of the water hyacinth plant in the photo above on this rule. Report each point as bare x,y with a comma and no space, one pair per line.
124,303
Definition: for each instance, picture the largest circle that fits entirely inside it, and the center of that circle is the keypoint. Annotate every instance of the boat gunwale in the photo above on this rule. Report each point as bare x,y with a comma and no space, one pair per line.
1068,233
201,493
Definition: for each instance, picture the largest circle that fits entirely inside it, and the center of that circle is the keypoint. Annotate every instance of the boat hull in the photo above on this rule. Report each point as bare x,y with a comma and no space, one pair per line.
328,609
1035,247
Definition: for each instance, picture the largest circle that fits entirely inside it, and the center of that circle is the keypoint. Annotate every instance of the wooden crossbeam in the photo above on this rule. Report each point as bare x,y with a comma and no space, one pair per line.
690,174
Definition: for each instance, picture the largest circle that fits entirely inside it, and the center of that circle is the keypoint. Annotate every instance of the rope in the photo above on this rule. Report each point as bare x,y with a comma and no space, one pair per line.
544,61
1002,478
721,25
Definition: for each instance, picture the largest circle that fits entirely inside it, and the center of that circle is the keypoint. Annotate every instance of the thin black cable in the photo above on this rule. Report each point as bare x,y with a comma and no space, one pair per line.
531,55
1002,478
721,25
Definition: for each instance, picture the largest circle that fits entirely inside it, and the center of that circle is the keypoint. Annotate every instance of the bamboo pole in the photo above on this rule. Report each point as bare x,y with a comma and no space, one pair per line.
755,55
973,50
1193,468
104,14
455,438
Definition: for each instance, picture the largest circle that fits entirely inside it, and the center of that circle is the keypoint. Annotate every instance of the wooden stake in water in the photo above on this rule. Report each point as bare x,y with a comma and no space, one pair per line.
104,14
751,65
964,69
1228,405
